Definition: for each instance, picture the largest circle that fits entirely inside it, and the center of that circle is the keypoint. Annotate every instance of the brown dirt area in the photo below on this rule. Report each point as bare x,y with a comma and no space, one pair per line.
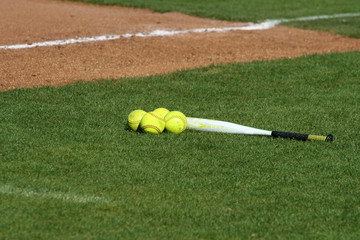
28,21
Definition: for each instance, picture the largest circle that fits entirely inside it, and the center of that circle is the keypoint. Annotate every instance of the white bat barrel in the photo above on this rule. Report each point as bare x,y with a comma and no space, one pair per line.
209,125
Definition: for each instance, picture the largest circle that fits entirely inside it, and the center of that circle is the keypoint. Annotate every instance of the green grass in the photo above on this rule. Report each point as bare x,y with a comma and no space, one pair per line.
59,145
258,10
348,27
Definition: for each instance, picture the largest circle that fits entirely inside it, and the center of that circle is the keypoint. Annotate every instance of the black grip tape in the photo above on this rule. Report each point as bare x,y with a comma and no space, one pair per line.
297,136
329,138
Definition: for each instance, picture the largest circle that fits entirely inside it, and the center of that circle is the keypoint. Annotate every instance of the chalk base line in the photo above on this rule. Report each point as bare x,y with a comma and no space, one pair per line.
160,33
51,195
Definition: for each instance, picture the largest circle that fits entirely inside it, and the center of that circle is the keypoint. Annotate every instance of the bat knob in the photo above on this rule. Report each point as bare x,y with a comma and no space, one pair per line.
329,138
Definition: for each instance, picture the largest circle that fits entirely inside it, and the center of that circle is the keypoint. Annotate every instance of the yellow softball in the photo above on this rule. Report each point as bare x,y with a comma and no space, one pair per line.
151,123
134,118
161,112
175,122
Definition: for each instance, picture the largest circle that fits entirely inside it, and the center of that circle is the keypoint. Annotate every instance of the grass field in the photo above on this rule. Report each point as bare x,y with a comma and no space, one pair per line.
70,168
259,10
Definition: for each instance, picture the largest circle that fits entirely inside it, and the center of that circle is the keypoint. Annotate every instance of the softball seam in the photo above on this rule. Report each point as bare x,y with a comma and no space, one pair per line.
181,118
159,118
151,126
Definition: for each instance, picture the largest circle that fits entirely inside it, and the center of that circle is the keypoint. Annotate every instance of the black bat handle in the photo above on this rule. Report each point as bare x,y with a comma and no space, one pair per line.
302,137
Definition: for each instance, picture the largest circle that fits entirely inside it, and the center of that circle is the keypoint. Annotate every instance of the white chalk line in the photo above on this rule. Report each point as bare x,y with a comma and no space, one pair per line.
160,33
45,194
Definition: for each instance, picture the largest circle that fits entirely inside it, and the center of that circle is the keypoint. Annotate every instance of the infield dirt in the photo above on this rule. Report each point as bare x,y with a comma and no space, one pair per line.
29,21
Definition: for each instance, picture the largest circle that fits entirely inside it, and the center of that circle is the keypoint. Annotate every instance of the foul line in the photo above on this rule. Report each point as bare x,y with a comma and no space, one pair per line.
66,197
159,33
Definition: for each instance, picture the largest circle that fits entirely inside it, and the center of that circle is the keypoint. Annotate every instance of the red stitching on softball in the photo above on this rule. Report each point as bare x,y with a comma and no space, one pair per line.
151,126
157,116
182,119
